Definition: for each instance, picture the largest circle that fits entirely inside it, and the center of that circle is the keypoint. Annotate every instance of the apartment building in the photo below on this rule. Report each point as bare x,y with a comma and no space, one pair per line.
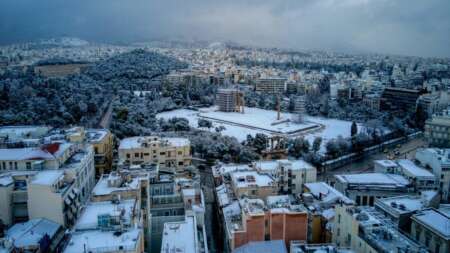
320,199
400,208
272,85
431,228
102,141
437,130
172,154
58,194
186,235
34,236
14,197
366,187
365,229
438,160
399,99
290,175
279,218
253,184
108,226
230,100
21,136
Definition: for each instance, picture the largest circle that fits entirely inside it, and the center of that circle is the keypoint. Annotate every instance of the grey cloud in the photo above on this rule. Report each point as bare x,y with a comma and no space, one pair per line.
411,27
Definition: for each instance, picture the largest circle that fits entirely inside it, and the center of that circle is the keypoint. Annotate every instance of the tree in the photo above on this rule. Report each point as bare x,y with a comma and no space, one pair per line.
354,129
297,147
259,142
316,143
204,123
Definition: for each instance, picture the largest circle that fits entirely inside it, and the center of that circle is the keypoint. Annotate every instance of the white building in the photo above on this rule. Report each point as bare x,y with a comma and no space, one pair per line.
439,162
290,175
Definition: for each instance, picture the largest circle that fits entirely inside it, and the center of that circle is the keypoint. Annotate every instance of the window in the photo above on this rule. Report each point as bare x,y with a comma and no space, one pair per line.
358,200
146,154
128,156
154,151
28,166
339,218
180,163
162,153
180,152
136,154
96,150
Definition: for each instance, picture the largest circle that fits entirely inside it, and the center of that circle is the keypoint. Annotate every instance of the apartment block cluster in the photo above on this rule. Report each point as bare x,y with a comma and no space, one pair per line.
59,194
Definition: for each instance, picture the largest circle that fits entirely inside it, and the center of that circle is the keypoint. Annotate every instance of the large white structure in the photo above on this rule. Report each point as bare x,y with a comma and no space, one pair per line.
439,162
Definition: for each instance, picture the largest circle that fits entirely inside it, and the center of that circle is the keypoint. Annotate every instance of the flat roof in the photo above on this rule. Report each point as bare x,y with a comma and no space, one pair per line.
31,232
47,177
135,142
373,179
386,163
180,236
412,169
251,178
102,188
110,241
404,204
435,220
88,219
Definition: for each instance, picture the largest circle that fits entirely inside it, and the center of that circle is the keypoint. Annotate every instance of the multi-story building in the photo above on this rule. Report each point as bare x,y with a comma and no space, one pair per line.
304,247
247,220
21,136
400,208
186,235
431,228
420,178
34,236
429,103
290,175
58,194
320,200
365,229
173,154
439,162
437,130
271,85
402,99
253,184
103,142
230,100
14,197
365,188
372,101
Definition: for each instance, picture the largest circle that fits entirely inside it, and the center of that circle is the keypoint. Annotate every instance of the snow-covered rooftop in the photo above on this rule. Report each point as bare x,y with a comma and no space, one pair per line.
88,219
411,169
18,154
96,135
102,187
386,163
6,180
373,179
434,220
273,246
324,192
31,232
104,241
251,178
47,177
136,142
402,204
180,236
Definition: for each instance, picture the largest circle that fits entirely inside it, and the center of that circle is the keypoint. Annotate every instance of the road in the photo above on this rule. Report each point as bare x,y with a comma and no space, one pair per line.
406,150
211,225
105,121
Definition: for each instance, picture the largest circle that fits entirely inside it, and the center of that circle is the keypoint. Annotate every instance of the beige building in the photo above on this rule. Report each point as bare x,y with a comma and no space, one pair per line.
271,85
58,194
364,229
173,154
102,141
253,184
431,228
290,175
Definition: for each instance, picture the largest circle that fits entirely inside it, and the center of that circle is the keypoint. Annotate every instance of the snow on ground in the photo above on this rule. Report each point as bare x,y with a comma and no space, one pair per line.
259,121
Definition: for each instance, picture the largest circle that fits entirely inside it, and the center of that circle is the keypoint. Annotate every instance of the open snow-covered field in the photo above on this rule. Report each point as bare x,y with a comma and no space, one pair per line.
256,120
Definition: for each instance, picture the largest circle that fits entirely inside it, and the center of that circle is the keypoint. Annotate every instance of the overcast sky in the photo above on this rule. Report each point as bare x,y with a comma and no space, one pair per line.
408,27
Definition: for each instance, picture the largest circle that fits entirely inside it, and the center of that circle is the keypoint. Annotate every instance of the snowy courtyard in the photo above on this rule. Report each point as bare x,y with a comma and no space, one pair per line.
255,120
